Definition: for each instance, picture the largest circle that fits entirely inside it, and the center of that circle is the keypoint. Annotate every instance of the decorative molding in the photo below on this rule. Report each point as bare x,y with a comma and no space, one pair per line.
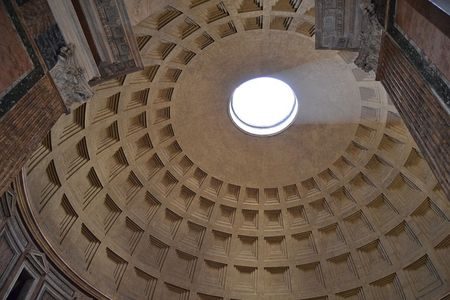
7,204
110,36
25,271
70,79
23,201
338,24
371,33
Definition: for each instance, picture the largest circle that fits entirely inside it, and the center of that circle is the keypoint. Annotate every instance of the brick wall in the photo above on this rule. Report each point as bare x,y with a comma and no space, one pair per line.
25,126
425,116
32,105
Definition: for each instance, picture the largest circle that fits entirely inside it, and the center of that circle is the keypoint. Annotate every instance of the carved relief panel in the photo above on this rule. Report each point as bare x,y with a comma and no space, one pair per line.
338,24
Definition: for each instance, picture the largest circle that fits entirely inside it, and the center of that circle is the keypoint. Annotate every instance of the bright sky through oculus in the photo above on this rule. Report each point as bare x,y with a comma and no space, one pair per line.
263,106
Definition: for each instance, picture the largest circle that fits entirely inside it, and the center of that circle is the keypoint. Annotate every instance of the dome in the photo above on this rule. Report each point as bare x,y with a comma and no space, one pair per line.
150,190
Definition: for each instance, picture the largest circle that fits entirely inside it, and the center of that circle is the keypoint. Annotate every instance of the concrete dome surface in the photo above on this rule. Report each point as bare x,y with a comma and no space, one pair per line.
149,191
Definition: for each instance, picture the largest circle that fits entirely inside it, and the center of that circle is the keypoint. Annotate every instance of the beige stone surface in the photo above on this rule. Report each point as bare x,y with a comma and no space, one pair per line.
329,109
150,192
138,10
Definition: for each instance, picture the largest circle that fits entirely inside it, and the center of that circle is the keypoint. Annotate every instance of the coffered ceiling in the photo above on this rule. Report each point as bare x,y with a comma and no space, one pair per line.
150,191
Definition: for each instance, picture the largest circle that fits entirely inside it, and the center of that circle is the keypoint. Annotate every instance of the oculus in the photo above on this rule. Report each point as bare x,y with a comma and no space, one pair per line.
263,106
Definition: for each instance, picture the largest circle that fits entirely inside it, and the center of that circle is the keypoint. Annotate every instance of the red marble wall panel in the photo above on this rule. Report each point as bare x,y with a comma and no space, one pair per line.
424,34
14,58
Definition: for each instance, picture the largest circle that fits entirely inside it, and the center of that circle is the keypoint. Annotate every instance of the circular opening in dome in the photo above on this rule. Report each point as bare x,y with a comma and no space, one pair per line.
263,106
